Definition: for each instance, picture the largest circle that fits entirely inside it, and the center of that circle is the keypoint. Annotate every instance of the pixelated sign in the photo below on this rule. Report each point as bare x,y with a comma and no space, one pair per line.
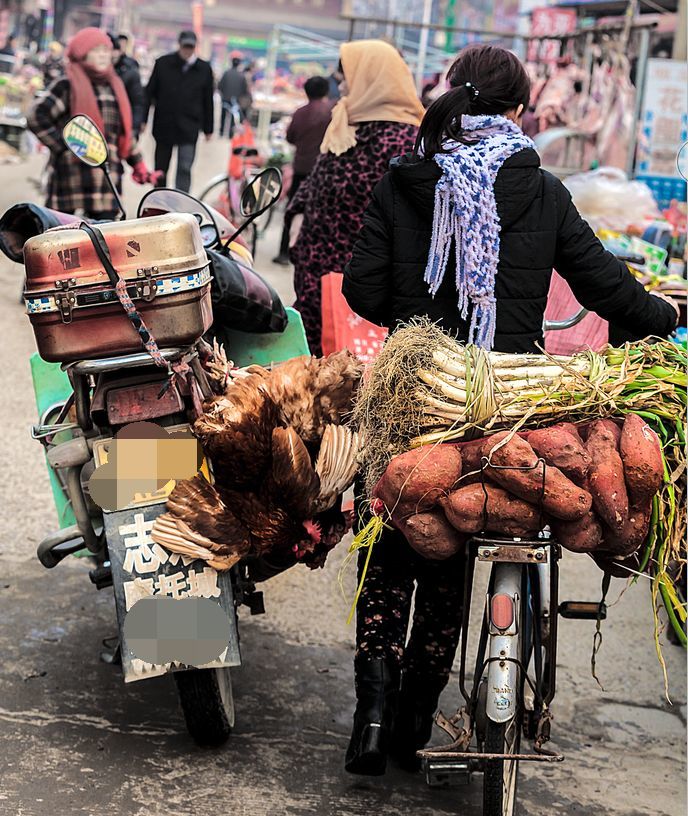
664,129
142,569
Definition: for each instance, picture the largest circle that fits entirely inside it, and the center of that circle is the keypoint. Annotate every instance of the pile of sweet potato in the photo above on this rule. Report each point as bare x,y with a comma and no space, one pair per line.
594,489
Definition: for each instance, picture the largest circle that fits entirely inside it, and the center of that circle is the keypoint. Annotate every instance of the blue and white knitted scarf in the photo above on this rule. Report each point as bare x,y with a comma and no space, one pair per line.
466,212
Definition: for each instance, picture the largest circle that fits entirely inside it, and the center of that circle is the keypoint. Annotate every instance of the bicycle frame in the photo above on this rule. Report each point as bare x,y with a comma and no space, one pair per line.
530,566
538,558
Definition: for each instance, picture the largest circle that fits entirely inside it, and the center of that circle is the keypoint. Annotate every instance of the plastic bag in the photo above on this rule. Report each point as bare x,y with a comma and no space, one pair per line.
242,300
608,200
342,328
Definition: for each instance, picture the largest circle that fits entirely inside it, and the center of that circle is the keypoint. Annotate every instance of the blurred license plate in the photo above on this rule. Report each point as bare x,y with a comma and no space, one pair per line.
100,455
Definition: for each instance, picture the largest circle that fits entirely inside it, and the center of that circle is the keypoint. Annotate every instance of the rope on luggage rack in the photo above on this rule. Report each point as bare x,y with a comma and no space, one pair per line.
179,369
486,461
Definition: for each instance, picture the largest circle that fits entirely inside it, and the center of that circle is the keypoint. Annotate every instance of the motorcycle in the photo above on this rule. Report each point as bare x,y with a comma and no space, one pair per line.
86,401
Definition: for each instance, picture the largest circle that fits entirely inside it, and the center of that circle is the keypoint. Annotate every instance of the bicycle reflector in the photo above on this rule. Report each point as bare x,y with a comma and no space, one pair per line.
502,611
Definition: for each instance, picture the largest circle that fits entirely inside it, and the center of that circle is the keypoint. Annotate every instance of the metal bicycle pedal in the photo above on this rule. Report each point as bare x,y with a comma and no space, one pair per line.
446,773
583,610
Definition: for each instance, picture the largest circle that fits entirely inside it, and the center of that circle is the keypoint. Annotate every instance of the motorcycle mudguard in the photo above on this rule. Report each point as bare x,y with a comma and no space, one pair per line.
142,569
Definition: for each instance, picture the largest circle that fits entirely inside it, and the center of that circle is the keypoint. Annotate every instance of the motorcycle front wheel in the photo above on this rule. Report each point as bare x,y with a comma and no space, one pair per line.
205,696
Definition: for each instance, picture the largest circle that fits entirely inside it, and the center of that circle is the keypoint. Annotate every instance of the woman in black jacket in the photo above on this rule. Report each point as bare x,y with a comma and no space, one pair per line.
466,231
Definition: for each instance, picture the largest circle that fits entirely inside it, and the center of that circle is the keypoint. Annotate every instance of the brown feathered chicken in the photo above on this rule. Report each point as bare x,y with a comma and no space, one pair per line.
215,523
315,392
263,436
236,433
311,392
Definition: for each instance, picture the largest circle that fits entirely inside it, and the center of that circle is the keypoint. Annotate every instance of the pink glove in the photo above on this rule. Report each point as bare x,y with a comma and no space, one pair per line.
142,175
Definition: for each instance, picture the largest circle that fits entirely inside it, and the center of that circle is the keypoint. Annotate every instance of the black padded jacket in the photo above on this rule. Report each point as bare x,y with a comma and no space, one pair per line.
540,230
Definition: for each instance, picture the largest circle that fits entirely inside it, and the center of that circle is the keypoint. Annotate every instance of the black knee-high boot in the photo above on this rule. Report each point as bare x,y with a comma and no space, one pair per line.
377,686
418,701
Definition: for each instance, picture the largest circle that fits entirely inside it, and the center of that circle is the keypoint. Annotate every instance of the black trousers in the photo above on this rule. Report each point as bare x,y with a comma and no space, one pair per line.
227,119
297,178
186,153
384,608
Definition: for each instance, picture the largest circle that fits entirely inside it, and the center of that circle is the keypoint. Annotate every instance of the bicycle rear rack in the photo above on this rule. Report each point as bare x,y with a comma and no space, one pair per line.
441,753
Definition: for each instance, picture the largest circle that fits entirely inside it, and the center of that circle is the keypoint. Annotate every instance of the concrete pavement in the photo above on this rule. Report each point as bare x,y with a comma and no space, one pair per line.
75,740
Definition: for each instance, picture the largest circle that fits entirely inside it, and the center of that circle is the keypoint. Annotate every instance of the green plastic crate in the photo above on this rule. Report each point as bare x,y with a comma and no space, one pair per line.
263,349
52,388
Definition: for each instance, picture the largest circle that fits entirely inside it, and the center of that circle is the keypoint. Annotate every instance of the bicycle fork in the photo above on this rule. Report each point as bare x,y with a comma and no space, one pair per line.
504,647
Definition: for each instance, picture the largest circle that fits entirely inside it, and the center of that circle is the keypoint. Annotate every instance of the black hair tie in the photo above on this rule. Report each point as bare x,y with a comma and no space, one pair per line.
471,87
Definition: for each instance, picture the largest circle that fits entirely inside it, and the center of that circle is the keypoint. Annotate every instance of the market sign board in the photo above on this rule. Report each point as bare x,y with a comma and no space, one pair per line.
663,129
549,22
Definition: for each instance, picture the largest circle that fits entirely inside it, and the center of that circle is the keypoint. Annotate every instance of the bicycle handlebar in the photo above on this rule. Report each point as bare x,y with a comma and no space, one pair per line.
567,323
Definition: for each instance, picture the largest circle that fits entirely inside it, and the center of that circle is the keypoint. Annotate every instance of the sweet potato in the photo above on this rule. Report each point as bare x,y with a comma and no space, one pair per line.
581,536
471,462
473,509
605,477
561,498
562,449
574,430
432,536
641,454
418,478
632,534
471,454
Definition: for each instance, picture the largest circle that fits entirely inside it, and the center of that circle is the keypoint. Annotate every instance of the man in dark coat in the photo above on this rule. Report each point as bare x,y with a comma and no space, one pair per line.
181,90
233,88
305,132
127,70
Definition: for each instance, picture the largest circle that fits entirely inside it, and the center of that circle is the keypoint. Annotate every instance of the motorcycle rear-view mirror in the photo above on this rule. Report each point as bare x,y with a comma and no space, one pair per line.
85,141
261,193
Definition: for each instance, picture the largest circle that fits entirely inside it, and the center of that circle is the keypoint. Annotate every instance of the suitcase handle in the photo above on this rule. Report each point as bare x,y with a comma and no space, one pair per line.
120,285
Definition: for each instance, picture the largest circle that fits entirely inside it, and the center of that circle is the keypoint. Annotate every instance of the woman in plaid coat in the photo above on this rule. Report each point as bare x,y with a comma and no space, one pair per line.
91,87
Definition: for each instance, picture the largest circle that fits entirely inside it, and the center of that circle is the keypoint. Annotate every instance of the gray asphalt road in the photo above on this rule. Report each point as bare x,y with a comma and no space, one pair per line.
75,740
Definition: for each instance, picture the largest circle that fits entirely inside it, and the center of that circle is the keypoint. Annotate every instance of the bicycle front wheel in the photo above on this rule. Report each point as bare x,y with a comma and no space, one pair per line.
500,780
216,193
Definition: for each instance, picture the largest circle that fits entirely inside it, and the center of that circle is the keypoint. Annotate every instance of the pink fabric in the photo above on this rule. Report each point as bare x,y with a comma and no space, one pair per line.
591,333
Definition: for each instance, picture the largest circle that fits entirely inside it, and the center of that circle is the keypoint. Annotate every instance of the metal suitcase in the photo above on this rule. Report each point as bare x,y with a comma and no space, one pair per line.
74,309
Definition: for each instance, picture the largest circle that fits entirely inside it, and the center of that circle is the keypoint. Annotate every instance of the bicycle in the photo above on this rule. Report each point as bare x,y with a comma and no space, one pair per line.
514,679
223,192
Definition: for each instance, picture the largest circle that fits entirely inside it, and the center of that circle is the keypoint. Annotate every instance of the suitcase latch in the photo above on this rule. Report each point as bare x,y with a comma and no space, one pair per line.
148,287
65,300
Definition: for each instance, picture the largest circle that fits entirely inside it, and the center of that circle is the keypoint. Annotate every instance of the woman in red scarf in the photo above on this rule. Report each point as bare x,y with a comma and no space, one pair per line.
92,87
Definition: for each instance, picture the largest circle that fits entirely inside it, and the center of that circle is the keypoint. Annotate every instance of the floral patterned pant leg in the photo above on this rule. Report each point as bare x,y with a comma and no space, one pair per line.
385,604
382,614
436,622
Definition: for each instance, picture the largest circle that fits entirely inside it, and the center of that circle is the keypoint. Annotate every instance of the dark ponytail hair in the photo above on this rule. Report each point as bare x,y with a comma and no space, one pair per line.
484,79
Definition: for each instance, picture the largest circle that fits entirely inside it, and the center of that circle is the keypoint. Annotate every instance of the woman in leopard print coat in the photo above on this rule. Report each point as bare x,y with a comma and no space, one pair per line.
376,120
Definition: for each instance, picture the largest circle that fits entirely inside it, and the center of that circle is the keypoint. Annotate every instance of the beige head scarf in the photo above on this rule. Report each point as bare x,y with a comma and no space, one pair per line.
381,89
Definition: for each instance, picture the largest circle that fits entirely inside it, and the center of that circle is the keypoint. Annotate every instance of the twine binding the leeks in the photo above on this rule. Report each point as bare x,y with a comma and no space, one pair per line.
465,218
